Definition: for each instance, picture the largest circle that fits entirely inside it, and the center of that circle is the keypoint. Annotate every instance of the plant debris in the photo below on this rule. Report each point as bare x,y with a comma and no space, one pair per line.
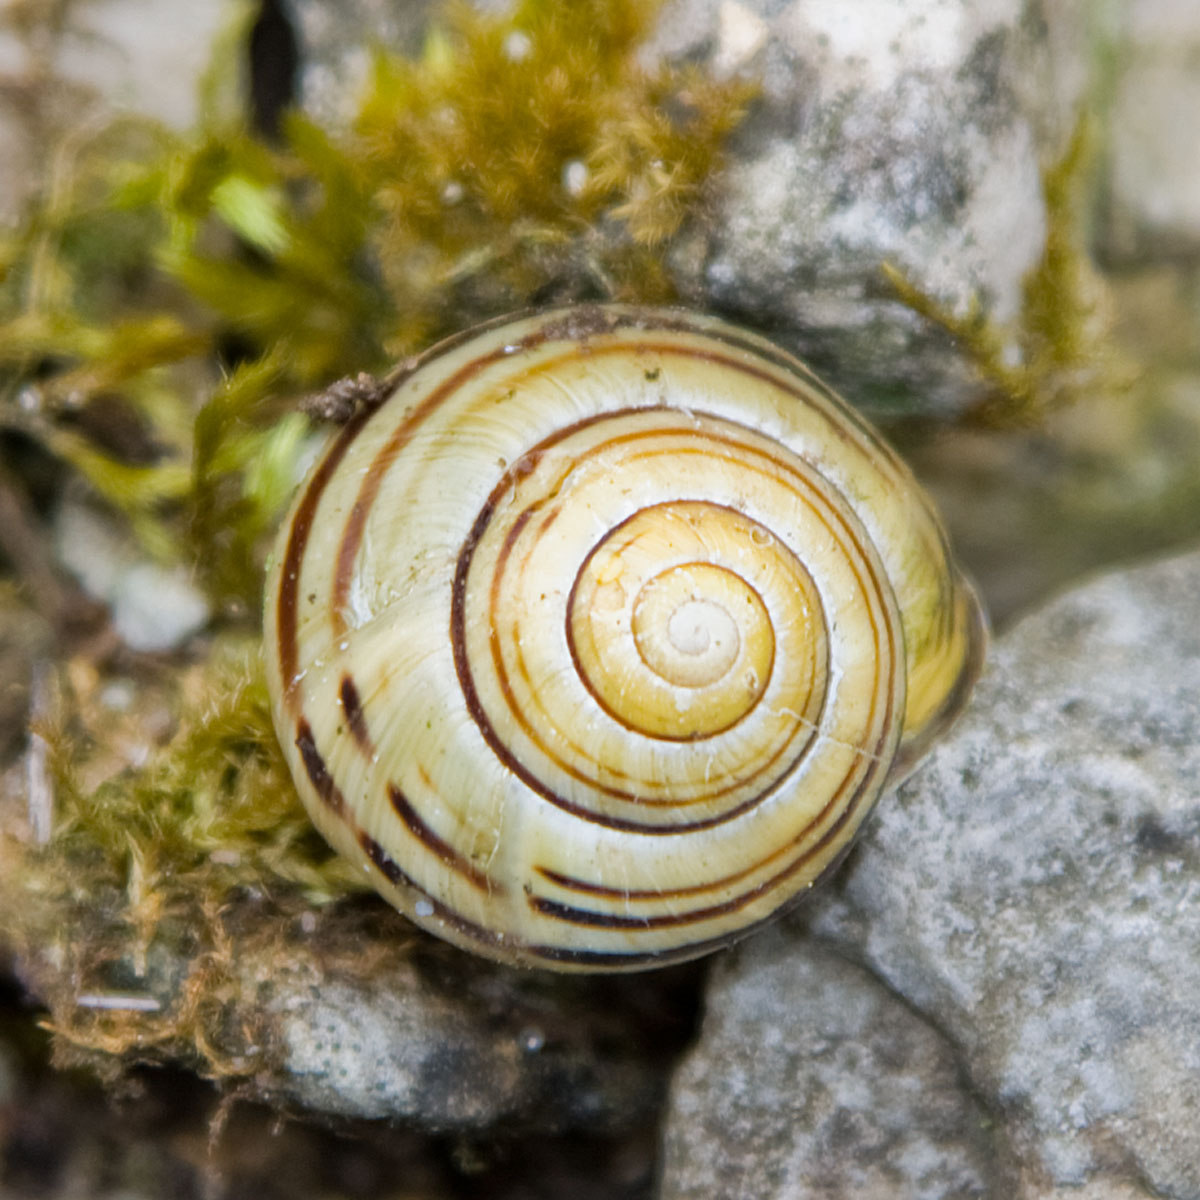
165,307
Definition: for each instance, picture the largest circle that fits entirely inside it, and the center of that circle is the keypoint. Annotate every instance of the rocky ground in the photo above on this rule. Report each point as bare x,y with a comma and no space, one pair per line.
995,998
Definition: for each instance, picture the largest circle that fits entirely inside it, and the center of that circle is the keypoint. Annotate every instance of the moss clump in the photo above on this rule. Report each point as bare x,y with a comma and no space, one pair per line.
532,155
1059,350
146,863
210,811
164,306
517,159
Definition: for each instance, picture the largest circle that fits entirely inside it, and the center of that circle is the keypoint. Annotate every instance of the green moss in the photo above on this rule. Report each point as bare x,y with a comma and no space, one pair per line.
199,285
1059,349
515,159
211,811
145,867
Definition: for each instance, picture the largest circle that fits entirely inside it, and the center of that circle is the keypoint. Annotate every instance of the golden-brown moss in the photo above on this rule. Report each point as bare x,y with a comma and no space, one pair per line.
195,286
516,158
1059,349
172,807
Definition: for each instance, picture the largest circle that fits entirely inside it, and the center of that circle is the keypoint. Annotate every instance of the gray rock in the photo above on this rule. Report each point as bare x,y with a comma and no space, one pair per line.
812,1080
1032,894
1032,890
1066,72
442,1041
335,47
908,132
350,1012
1154,185
137,63
893,135
154,607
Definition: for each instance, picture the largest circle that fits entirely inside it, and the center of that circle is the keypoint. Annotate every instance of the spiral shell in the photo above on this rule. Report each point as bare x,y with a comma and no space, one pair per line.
598,639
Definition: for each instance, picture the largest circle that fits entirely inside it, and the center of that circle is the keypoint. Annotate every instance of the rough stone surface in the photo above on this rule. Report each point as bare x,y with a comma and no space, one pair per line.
812,1080
441,1041
900,131
1033,891
335,46
887,132
1154,185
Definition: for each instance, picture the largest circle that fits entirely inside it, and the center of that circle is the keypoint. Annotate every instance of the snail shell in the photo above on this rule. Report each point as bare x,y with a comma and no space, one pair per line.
597,640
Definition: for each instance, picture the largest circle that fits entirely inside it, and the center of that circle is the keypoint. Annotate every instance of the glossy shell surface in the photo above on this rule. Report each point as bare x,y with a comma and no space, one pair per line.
596,642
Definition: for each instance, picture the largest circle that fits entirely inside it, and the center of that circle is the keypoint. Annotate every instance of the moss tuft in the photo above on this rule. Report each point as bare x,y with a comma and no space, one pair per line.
518,158
147,862
1060,349
189,289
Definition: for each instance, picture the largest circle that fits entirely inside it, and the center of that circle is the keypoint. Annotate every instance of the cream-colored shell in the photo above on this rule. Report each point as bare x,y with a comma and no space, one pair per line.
596,642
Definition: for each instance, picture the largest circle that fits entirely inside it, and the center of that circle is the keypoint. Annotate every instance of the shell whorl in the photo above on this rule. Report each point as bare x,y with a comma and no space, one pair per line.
597,640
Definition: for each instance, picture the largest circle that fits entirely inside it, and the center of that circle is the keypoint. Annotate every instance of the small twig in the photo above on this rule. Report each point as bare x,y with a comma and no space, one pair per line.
114,1002
39,789
71,611
342,401
346,399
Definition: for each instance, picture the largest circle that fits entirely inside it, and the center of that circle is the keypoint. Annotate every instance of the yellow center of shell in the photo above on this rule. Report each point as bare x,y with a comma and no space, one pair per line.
684,652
